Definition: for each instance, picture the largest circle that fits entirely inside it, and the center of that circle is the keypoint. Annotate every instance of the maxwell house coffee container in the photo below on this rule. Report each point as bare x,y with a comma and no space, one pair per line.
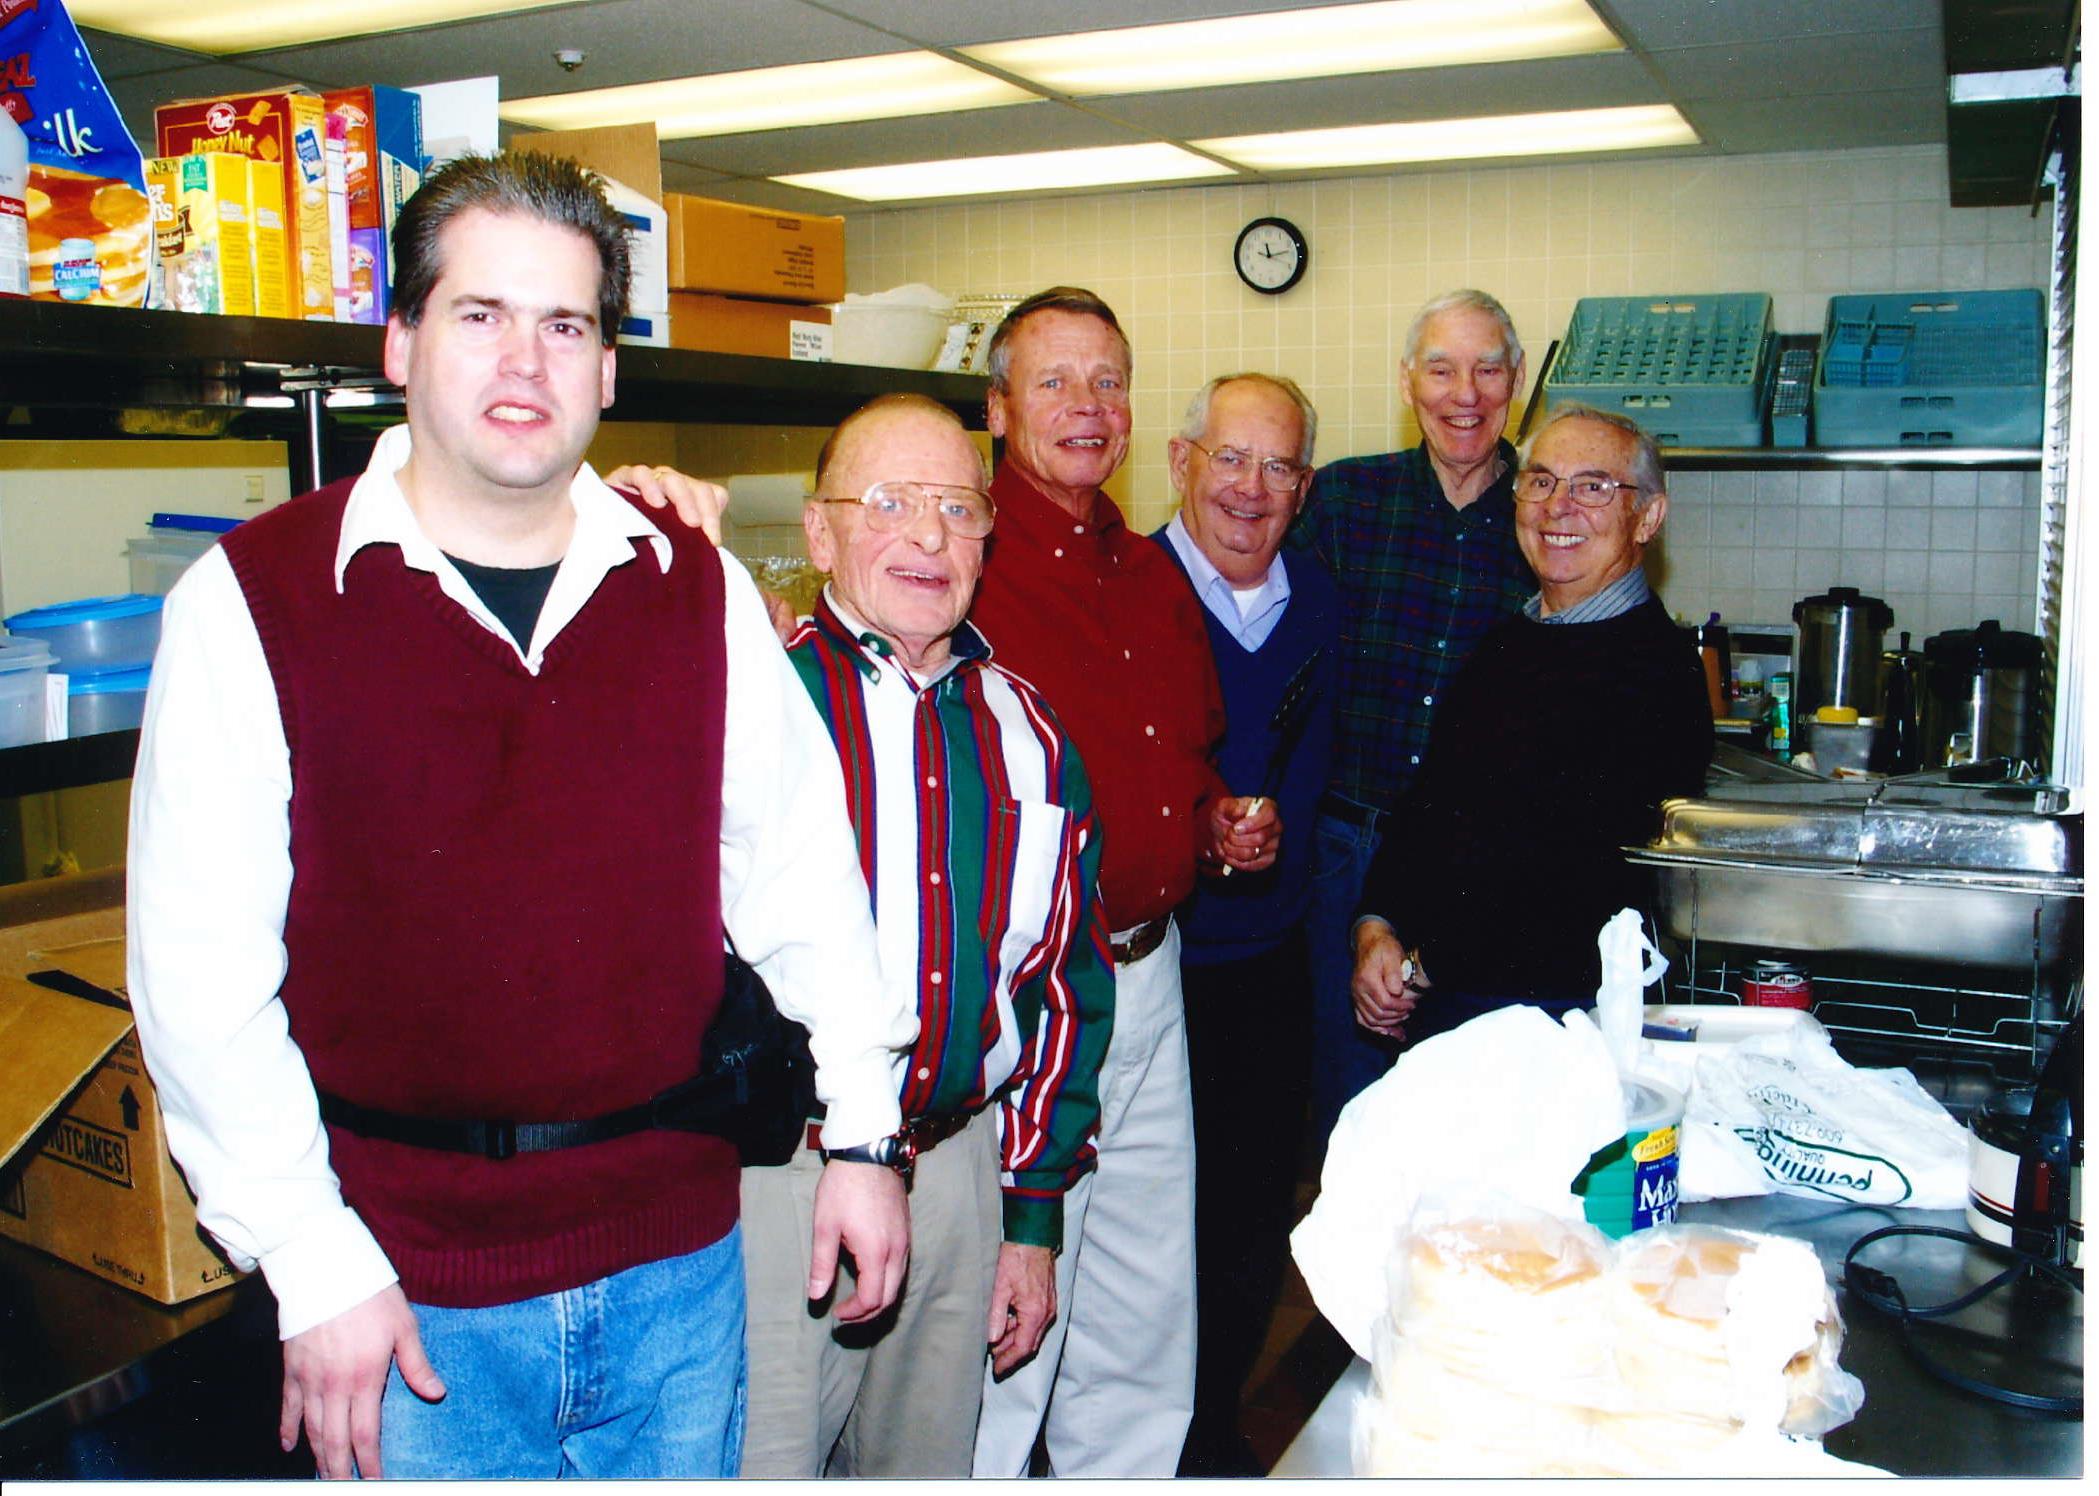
1630,1184
1777,984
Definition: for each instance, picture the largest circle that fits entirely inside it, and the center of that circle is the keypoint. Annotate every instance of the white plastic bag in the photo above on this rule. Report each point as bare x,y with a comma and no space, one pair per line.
1785,1114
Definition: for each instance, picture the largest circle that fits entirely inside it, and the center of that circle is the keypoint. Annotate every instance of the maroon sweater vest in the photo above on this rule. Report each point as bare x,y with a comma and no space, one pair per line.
505,897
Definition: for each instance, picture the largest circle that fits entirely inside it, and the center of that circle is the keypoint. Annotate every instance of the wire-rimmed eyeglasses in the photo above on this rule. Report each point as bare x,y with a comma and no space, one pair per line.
1278,474
896,502
1535,485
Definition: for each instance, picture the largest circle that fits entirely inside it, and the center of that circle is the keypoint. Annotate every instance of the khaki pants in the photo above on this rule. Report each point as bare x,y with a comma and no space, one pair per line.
896,1397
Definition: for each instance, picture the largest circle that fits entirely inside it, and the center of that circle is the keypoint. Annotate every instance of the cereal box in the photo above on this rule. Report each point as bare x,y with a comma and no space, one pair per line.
203,207
286,128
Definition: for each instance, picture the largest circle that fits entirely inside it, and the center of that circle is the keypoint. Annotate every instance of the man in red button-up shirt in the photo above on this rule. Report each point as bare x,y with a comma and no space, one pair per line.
1104,625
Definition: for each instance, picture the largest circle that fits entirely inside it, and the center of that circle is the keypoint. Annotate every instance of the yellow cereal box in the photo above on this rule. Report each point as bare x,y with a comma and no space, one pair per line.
205,242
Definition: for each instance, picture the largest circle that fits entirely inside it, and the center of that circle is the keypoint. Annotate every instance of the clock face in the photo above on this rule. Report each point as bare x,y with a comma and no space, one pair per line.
1271,255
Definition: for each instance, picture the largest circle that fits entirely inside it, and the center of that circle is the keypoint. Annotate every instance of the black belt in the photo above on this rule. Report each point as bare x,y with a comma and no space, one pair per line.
696,1105
1362,817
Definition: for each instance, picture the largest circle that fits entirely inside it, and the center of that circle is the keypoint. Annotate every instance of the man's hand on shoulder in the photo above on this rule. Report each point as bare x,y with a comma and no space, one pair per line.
335,1374
860,1208
697,503
1023,1304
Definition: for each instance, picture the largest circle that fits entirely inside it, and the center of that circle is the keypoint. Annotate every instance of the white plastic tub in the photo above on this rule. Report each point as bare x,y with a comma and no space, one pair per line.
171,545
95,634
23,665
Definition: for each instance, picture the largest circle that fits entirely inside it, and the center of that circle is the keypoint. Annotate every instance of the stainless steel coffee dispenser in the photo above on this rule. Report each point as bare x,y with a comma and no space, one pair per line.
1840,642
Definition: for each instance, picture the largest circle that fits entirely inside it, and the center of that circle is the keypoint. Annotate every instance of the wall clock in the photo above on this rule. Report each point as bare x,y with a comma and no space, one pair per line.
1271,255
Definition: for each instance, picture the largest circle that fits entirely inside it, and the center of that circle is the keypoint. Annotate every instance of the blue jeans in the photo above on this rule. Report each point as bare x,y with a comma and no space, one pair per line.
1345,1056
639,1374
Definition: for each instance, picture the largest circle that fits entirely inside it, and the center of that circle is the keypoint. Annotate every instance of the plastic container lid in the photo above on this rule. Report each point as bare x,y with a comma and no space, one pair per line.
1650,1104
216,524
108,681
87,610
1843,716
24,654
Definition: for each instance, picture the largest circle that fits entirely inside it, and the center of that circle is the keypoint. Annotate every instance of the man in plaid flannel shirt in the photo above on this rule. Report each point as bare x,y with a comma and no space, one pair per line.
1423,545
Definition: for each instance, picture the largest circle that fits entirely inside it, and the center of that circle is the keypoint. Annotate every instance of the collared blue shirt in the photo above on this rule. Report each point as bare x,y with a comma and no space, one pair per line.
1252,627
1622,596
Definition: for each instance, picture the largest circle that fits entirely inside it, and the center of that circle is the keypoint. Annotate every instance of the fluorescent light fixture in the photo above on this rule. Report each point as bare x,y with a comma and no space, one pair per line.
1323,42
889,86
1099,166
223,27
1639,127
2026,83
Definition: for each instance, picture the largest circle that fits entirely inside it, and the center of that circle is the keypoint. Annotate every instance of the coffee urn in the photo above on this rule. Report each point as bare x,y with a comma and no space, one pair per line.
1981,695
1840,642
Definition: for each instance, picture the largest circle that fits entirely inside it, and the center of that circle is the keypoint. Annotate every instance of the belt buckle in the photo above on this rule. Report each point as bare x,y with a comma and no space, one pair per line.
498,1140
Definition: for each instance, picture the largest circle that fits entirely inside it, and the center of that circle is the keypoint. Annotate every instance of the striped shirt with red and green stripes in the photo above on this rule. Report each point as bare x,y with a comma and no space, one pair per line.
981,852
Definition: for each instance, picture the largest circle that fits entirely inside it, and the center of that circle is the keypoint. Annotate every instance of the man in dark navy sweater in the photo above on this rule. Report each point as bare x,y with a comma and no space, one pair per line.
1241,464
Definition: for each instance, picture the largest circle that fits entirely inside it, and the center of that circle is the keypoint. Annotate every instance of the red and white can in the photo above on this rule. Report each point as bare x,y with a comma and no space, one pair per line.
1777,984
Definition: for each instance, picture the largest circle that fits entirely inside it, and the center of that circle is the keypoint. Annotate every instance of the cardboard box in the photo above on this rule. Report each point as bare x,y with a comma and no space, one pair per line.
766,329
737,250
288,129
272,241
203,217
627,157
85,1173
383,163
334,153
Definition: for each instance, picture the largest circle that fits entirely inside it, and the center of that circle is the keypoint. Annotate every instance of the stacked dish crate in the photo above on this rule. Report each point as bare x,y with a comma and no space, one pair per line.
1694,371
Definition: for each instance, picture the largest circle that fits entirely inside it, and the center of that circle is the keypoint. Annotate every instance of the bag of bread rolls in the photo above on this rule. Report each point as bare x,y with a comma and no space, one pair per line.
90,229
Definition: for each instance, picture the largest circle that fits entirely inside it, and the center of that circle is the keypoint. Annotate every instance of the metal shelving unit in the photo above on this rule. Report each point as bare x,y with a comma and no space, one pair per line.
99,359
61,356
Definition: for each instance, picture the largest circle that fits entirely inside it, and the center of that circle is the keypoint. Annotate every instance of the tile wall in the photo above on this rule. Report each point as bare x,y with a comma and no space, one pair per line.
1945,549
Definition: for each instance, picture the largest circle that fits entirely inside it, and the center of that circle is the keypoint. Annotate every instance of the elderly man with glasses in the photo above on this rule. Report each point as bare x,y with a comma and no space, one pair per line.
1240,464
1422,543
1553,749
980,849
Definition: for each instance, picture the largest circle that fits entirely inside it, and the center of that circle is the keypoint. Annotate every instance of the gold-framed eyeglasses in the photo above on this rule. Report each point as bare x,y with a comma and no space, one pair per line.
894,503
1535,485
1278,474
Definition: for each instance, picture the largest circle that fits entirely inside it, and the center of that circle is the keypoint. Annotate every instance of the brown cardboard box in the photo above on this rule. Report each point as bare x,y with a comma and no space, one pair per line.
96,1186
288,128
734,249
734,324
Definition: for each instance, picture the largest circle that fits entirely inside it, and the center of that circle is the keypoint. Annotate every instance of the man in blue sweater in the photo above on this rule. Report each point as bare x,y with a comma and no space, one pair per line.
1241,465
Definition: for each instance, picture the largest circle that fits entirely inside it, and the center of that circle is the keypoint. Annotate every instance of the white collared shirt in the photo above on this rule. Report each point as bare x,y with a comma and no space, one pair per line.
210,880
1250,620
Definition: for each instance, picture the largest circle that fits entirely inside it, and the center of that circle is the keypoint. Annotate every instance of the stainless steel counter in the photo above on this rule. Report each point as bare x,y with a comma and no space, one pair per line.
2029,1336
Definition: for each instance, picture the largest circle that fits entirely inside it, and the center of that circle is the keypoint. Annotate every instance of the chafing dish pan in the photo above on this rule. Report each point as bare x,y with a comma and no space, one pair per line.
1915,868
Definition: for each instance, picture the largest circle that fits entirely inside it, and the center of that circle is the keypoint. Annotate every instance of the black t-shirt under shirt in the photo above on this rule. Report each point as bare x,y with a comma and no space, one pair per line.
514,594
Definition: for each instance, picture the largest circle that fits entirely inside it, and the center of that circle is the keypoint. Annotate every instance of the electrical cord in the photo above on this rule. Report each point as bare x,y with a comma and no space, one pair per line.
1880,1292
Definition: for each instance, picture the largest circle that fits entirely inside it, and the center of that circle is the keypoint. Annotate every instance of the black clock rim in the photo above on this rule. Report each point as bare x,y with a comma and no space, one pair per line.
1297,238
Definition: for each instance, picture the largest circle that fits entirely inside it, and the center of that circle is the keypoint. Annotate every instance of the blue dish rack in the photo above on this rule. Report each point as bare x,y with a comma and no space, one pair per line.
1695,371
1931,369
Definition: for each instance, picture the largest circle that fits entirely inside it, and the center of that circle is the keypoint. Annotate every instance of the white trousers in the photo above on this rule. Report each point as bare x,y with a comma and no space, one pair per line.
1115,1377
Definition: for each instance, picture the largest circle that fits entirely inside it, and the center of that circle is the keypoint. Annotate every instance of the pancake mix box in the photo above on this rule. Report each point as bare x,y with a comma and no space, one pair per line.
90,229
288,129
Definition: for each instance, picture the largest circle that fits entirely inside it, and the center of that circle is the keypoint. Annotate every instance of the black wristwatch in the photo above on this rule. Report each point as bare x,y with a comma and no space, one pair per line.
893,1152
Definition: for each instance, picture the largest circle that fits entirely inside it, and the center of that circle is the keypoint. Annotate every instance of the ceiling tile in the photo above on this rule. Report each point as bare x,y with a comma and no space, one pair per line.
1899,61
1821,122
121,56
626,41
930,137
1657,24
943,23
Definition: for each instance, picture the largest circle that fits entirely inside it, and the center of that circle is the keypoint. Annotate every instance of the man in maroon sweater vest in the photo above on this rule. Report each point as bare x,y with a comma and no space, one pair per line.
451,780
